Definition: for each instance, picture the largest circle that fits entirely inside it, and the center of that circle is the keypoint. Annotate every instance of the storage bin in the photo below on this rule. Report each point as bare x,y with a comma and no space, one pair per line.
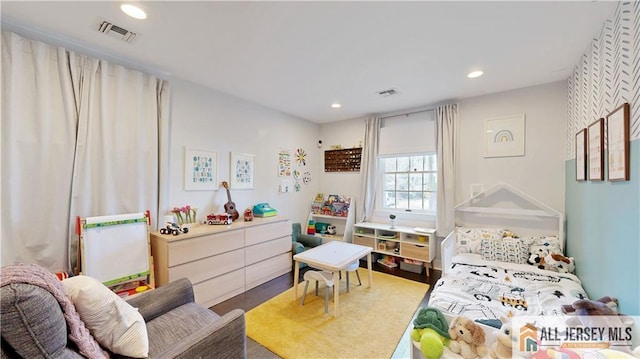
364,241
410,267
415,251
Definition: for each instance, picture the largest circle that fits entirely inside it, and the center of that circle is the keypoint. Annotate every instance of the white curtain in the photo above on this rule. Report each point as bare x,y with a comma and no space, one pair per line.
369,184
116,160
446,141
38,143
112,123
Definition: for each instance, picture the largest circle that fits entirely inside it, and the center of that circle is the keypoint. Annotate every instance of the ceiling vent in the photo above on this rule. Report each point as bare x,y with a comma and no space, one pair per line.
387,93
115,31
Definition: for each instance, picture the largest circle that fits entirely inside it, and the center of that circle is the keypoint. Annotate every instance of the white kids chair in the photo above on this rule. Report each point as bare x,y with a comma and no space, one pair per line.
353,267
319,276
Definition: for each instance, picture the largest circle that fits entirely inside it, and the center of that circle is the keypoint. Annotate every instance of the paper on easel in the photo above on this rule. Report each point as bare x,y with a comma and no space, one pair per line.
115,248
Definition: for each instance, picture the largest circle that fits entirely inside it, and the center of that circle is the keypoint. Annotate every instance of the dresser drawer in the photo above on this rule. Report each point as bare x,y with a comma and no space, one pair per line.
415,251
266,250
218,289
364,241
267,232
266,270
209,267
205,246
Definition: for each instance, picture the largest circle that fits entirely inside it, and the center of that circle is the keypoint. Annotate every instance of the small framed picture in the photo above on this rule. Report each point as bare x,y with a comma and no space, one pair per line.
581,155
200,170
618,144
596,147
241,167
504,137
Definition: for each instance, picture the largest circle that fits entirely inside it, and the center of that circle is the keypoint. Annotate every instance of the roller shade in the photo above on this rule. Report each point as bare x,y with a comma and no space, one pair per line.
414,133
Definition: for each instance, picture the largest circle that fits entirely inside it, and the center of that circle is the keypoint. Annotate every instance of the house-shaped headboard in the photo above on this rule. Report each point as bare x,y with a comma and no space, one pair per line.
504,206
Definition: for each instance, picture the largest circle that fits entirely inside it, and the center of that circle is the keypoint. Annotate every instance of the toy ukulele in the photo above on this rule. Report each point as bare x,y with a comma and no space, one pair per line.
230,207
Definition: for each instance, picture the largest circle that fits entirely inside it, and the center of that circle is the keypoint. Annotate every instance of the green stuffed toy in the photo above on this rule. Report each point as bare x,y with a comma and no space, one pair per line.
430,329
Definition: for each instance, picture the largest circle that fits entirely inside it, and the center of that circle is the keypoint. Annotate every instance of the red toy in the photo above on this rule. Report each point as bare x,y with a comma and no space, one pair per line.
223,218
248,215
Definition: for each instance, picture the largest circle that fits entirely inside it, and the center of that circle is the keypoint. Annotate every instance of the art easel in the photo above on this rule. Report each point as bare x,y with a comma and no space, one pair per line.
116,250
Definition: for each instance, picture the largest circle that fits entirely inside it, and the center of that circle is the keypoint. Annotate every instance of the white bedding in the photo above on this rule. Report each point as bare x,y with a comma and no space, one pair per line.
480,289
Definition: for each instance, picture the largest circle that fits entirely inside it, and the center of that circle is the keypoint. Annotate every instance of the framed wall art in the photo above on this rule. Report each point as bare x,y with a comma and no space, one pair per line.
596,145
618,144
200,170
504,137
581,155
242,174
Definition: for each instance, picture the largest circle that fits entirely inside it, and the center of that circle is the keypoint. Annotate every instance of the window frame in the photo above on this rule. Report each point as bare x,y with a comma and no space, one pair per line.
381,172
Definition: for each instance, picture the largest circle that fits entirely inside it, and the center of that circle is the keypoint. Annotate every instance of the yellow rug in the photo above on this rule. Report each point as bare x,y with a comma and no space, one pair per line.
371,322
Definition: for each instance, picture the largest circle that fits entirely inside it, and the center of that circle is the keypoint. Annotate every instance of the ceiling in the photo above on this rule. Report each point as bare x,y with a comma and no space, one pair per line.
299,57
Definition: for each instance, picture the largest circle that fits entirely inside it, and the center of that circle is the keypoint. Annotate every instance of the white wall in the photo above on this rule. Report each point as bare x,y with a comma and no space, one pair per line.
540,173
205,119
347,134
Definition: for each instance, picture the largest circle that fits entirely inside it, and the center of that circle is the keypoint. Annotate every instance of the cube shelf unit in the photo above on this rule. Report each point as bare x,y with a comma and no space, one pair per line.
409,243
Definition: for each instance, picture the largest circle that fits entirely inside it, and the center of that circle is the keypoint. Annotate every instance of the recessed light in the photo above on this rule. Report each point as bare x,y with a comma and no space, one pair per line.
474,74
133,11
336,105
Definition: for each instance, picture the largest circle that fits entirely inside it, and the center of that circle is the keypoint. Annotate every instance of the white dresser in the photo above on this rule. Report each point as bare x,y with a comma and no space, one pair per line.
224,260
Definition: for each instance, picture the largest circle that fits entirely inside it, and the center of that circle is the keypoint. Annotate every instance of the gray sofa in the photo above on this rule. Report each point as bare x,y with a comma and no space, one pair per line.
33,325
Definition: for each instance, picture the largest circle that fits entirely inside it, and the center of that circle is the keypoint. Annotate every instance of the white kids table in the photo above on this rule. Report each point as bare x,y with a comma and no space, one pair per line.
333,256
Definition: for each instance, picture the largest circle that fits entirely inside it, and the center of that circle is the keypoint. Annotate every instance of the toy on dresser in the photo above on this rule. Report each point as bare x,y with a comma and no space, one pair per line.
223,218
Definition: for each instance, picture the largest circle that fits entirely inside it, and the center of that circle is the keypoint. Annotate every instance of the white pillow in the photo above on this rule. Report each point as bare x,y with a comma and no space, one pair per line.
114,323
469,240
507,249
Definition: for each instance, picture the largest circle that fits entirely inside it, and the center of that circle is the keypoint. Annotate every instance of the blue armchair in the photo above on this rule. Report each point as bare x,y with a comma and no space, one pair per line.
302,242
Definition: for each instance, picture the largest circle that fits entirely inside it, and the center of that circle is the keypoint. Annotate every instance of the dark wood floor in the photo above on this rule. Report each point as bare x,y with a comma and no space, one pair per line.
260,294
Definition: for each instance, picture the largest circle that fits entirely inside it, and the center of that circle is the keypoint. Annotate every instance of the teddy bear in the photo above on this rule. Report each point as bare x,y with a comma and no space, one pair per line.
467,338
502,347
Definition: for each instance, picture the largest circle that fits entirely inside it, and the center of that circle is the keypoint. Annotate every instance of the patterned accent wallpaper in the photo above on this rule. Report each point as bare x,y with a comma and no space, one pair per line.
608,75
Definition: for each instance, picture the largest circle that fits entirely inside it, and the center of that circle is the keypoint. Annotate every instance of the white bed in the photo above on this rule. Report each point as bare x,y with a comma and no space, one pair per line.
485,289
481,289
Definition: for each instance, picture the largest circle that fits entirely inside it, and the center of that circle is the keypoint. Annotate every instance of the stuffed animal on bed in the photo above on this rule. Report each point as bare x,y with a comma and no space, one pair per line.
602,306
598,313
584,307
544,258
537,253
559,263
467,338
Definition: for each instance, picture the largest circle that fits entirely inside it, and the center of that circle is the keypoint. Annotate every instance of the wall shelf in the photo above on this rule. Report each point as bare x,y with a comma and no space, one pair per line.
345,160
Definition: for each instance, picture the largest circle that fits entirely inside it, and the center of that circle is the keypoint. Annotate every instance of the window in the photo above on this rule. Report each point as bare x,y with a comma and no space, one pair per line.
407,166
409,182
